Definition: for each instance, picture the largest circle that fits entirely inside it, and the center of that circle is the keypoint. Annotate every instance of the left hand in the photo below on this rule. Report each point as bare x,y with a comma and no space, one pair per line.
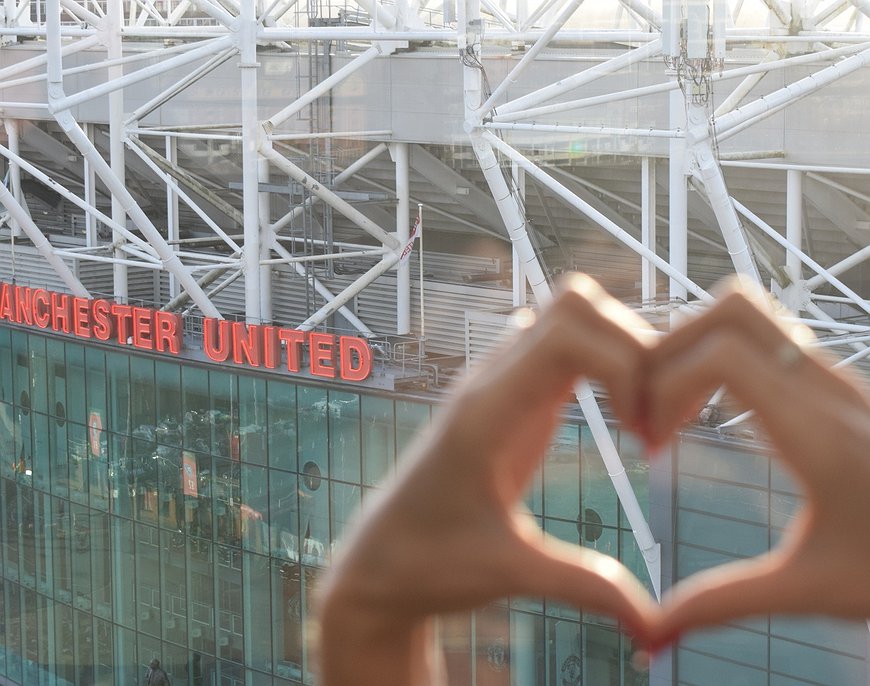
449,533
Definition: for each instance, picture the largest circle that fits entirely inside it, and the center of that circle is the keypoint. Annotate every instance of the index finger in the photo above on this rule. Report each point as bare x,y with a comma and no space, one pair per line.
739,344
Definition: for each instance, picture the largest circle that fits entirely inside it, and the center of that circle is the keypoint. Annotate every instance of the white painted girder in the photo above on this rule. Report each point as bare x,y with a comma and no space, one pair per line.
261,28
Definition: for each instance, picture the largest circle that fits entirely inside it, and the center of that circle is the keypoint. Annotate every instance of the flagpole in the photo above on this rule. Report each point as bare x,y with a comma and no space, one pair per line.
420,238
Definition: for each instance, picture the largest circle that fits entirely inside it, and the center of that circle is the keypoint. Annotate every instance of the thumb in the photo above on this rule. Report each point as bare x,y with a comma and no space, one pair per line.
590,580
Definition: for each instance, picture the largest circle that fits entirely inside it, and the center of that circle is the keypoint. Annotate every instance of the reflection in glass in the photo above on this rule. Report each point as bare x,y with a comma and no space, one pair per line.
378,442
344,436
282,424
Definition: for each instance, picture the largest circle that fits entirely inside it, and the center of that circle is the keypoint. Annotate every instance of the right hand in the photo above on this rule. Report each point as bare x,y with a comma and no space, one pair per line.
819,422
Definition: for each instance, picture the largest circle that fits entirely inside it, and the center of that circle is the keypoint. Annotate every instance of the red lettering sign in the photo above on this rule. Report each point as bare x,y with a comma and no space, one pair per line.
247,344
101,320
167,332
252,345
292,338
216,339
6,303
356,358
82,317
321,347
23,305
61,312
41,308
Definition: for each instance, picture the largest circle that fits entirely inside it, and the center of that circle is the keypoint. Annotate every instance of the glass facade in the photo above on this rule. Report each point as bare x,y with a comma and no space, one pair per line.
158,509
155,508
733,503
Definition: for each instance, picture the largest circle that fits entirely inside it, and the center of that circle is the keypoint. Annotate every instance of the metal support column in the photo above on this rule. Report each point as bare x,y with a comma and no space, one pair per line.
399,152
172,229
90,180
648,227
794,222
250,156
266,239
114,51
518,272
11,126
678,197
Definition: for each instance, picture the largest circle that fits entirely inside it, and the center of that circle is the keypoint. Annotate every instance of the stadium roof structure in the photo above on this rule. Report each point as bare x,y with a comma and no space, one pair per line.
202,154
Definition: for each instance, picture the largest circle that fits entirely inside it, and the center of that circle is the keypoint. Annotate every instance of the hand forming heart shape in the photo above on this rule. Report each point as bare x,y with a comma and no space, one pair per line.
446,534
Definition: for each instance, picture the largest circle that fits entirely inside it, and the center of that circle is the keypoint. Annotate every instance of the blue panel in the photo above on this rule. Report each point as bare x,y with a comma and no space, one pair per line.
696,669
722,462
735,538
718,498
815,664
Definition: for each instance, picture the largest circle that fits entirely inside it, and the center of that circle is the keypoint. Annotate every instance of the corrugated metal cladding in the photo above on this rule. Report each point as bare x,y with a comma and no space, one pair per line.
484,332
25,265
445,305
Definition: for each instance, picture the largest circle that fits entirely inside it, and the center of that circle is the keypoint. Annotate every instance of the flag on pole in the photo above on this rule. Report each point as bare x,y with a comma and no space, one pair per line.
416,229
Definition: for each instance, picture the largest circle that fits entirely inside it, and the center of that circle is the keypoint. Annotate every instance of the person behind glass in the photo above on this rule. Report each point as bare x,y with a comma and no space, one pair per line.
156,676
448,532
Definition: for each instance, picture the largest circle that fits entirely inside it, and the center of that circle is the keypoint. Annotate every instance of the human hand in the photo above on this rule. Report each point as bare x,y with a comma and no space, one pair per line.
819,423
448,533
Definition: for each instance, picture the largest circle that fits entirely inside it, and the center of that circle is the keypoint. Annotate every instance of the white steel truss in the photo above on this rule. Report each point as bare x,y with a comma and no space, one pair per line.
108,105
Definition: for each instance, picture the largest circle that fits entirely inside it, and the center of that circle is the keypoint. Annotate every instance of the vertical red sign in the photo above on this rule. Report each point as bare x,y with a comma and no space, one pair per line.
188,474
95,433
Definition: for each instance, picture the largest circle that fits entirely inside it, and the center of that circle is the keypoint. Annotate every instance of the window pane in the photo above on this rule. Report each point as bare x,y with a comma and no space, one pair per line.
287,619
378,446
561,472
168,390
38,374
314,520
284,515
252,419
123,571
258,611
254,509
174,586
195,405
81,558
636,465
41,446
6,386
410,418
282,424
75,382
142,392
344,436
101,558
565,648
118,370
313,430
345,506
224,415
227,506
597,490
148,579
59,451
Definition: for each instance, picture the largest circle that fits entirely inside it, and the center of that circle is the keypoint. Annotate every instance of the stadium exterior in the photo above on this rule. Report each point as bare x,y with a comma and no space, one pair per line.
246,246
